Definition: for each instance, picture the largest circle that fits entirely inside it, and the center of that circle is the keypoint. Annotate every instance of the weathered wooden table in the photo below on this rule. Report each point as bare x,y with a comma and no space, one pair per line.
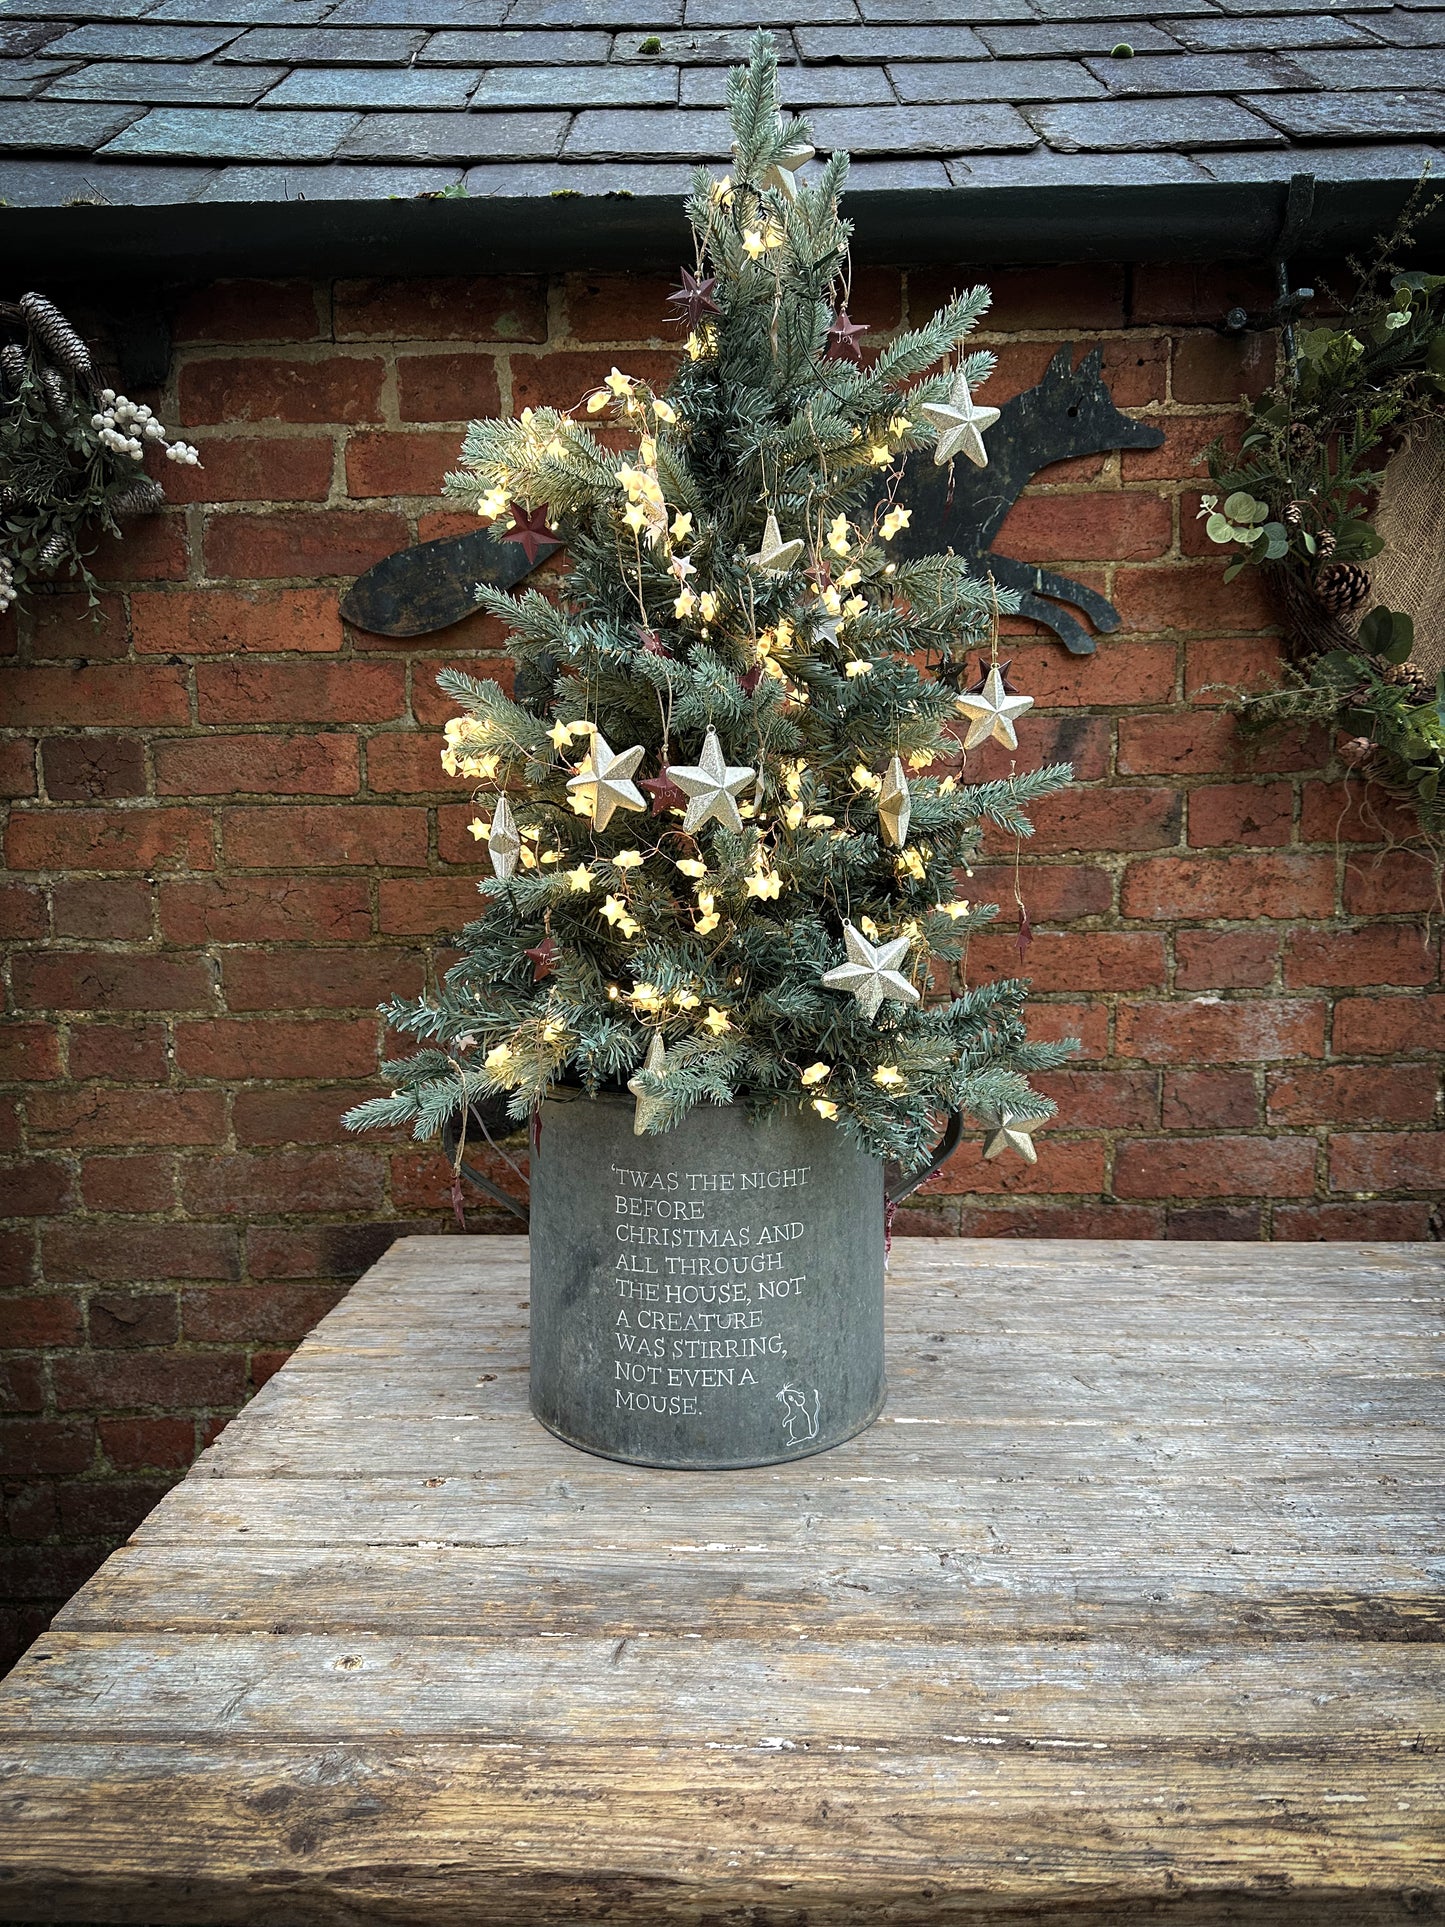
1126,1610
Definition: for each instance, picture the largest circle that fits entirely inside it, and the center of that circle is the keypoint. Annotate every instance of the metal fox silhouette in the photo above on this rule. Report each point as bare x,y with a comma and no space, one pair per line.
433,584
1070,412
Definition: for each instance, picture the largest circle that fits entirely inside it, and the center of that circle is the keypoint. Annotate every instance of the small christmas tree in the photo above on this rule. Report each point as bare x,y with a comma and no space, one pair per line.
724,812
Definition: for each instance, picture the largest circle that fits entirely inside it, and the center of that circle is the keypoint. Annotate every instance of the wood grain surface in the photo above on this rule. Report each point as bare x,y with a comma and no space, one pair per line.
1130,1609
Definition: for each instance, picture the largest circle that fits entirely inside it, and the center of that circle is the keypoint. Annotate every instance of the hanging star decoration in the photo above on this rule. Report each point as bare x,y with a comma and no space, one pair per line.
504,846
984,666
694,299
652,642
529,529
895,805
960,423
782,175
544,958
664,793
603,779
712,787
844,336
650,1110
991,711
871,973
1009,1133
774,554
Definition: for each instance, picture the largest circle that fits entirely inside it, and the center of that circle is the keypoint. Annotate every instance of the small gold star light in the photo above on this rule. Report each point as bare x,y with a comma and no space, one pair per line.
782,175
774,554
1010,1133
895,805
960,423
650,1110
602,782
504,846
992,711
711,786
872,972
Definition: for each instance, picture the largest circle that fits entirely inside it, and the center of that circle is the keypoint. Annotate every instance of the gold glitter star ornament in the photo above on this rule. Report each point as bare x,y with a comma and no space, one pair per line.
1010,1133
872,972
711,786
774,554
895,805
504,846
992,711
650,1110
604,780
960,423
782,175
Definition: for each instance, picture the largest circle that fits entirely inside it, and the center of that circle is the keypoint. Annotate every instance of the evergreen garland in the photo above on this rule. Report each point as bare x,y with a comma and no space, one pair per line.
815,672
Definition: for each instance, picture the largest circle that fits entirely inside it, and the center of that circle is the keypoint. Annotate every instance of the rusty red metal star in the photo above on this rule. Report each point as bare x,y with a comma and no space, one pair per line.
664,793
543,957
693,299
529,529
976,688
844,336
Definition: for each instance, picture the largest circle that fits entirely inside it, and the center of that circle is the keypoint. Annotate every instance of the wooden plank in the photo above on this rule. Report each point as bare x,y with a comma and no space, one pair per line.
1131,1606
440,1591
516,1836
773,1688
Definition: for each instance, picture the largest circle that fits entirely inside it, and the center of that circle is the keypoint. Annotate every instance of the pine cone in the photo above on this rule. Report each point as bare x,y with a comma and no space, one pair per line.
142,497
1326,545
52,555
57,393
1406,676
12,367
55,334
1342,587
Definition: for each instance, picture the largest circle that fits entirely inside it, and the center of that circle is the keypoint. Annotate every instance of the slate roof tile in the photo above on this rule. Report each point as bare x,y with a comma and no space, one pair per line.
633,179
54,183
994,80
245,13
327,183
1046,41
769,13
162,81
972,129
518,47
1405,163
59,126
800,88
1402,28
1043,167
329,46
69,10
1350,71
1275,34
562,86
1142,126
945,13
21,37
1253,73
896,177
374,88
455,137
644,16
418,13
232,134
870,44
21,79
1336,117
140,40
697,47
629,133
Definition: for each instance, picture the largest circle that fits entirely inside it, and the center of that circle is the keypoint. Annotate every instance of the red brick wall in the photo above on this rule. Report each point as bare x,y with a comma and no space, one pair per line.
231,835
